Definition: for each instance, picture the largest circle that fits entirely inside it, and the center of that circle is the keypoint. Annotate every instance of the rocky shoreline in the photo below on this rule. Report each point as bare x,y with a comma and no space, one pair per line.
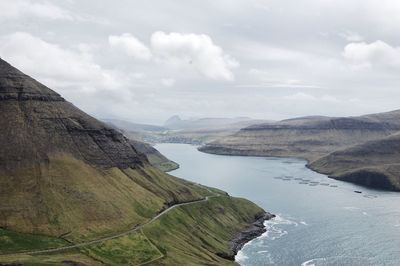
256,229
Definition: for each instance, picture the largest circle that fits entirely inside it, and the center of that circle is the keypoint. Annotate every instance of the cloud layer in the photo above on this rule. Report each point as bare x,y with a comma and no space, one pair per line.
145,64
53,64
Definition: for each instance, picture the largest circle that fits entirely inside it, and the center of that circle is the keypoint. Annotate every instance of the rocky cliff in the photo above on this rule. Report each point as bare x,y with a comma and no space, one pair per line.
374,164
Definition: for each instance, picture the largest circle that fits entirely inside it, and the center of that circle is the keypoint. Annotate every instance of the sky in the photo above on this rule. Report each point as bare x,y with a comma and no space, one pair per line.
144,61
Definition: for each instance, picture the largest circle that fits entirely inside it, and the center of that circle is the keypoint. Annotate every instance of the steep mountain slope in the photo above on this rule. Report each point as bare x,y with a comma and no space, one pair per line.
135,133
306,137
154,156
62,171
375,164
67,178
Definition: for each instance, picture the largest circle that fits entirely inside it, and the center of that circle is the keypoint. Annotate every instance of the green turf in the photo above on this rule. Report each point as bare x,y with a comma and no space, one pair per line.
132,249
195,234
12,242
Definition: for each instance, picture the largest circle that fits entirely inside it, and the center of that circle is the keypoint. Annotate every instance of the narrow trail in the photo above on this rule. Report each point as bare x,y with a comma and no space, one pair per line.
137,228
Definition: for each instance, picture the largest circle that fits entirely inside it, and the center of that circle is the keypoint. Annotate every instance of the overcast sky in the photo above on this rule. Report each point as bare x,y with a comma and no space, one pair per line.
145,61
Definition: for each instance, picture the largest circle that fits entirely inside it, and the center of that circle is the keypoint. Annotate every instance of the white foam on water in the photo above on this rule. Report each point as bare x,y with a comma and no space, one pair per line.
313,262
309,262
240,257
262,251
274,231
351,208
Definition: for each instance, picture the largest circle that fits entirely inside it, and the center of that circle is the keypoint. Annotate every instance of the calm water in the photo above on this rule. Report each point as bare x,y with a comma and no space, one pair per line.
324,223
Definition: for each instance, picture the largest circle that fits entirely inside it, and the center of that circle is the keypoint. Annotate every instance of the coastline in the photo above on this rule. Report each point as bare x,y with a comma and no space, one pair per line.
354,177
255,230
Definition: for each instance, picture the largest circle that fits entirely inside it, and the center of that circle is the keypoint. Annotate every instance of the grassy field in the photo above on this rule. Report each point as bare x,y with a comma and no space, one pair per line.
59,259
13,242
132,249
195,234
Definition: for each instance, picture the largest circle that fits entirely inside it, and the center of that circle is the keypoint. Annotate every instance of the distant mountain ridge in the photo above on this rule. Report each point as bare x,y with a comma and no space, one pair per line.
129,126
305,137
359,149
176,123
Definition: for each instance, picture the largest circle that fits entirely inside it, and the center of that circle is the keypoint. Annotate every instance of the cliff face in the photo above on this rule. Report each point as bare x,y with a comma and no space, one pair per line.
308,138
374,164
62,171
37,121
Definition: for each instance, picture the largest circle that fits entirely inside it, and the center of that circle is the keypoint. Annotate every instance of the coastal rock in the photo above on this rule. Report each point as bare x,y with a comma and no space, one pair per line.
256,229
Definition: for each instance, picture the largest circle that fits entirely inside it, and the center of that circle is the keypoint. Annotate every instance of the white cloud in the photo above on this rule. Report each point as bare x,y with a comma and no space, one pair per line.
196,51
54,65
130,45
168,82
12,9
378,53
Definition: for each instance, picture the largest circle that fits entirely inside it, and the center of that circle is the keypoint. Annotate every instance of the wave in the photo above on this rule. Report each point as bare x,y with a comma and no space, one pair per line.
276,228
338,260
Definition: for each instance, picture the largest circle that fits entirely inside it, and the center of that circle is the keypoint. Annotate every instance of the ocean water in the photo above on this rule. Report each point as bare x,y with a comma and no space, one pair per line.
320,221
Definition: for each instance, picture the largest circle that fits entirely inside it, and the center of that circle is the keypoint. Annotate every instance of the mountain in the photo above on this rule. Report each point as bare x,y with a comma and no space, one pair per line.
176,130
67,178
129,126
139,131
176,123
374,164
305,137
154,157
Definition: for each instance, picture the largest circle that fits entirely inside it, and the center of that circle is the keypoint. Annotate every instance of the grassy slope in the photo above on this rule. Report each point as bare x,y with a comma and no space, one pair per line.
11,242
188,235
162,163
132,249
154,156
193,235
64,258
89,203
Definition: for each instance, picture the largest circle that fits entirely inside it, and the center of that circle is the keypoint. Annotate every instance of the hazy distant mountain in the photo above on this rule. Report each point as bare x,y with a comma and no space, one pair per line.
129,126
305,137
175,122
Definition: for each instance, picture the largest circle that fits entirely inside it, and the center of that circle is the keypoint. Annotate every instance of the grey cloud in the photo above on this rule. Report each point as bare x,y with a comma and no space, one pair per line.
318,57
